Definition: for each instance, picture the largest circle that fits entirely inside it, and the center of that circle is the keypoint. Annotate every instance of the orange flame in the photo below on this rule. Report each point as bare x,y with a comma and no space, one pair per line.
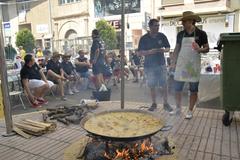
138,150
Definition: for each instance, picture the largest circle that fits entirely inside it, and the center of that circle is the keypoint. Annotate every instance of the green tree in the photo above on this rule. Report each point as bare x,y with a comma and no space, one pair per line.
25,38
107,33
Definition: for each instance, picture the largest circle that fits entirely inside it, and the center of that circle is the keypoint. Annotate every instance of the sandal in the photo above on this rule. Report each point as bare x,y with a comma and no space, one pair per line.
36,104
42,101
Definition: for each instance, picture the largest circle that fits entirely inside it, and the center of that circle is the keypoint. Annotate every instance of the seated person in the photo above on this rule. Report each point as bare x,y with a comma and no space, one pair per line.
82,64
135,65
70,74
34,81
55,73
107,67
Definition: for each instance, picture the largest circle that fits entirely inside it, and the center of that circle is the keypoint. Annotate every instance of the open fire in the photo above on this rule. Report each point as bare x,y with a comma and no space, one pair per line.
137,150
132,152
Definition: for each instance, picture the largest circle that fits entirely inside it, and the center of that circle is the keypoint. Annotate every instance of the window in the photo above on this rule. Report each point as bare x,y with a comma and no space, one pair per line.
61,2
172,2
23,5
202,1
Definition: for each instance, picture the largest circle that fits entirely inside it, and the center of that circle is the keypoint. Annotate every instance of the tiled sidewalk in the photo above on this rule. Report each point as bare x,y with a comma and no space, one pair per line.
203,137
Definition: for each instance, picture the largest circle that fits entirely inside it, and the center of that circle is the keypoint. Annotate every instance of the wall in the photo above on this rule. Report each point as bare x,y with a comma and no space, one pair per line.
210,7
213,25
38,16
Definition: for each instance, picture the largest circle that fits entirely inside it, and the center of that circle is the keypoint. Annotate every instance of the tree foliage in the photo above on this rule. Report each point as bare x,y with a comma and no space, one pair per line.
107,33
25,38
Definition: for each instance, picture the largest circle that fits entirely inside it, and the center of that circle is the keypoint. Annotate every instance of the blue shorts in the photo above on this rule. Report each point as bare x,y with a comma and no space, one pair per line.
156,76
193,86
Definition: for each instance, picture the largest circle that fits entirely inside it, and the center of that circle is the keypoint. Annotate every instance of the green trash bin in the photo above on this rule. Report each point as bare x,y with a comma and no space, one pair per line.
230,77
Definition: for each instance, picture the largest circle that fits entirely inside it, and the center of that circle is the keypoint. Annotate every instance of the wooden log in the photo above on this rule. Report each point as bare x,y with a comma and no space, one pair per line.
28,127
21,133
33,125
40,124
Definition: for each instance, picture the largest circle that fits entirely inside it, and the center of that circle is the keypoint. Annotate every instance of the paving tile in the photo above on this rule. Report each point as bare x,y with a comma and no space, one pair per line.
199,156
203,144
196,142
207,156
226,134
217,147
225,158
188,142
216,157
226,148
234,150
201,127
191,155
210,145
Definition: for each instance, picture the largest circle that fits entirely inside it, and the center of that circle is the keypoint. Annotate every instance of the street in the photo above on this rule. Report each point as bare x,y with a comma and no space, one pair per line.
133,93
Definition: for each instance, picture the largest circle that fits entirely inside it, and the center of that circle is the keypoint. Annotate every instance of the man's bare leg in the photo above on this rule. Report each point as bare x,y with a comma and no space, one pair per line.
41,91
192,100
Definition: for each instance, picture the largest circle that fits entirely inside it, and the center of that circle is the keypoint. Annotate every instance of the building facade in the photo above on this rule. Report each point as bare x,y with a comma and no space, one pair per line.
218,16
66,25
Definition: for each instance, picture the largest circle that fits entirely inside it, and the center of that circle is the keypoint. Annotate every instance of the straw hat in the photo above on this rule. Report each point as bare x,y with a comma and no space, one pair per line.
189,15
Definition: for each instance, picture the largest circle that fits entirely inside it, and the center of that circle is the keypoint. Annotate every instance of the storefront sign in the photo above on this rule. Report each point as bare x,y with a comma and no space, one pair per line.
115,23
7,29
212,25
108,8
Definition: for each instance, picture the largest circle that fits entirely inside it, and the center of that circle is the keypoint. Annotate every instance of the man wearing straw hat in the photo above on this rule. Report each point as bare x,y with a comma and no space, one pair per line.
55,73
191,42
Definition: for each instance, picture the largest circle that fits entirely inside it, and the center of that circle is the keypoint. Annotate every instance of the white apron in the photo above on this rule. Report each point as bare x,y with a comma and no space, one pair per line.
188,63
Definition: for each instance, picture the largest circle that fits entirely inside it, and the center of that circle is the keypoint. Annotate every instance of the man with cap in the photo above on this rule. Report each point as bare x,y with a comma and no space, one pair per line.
97,59
55,73
70,74
152,46
191,42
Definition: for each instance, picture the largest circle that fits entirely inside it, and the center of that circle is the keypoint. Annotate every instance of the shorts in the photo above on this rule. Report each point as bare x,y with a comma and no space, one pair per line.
84,74
35,83
193,86
98,68
156,76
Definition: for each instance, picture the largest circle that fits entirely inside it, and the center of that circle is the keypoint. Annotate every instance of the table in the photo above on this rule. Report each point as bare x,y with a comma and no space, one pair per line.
209,86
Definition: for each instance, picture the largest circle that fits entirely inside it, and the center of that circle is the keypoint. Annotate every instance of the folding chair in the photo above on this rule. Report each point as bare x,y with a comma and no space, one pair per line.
19,92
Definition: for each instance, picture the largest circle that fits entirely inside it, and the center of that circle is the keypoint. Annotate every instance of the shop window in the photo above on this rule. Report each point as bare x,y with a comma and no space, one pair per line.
172,2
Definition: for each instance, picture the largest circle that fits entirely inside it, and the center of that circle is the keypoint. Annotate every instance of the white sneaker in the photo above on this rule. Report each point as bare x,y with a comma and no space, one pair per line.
75,90
70,92
177,111
101,88
189,115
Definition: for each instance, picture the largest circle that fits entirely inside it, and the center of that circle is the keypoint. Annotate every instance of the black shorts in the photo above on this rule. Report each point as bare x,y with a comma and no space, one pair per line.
98,68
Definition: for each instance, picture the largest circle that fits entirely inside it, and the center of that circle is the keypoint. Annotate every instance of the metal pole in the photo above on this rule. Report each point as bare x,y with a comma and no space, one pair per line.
122,51
4,86
50,22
